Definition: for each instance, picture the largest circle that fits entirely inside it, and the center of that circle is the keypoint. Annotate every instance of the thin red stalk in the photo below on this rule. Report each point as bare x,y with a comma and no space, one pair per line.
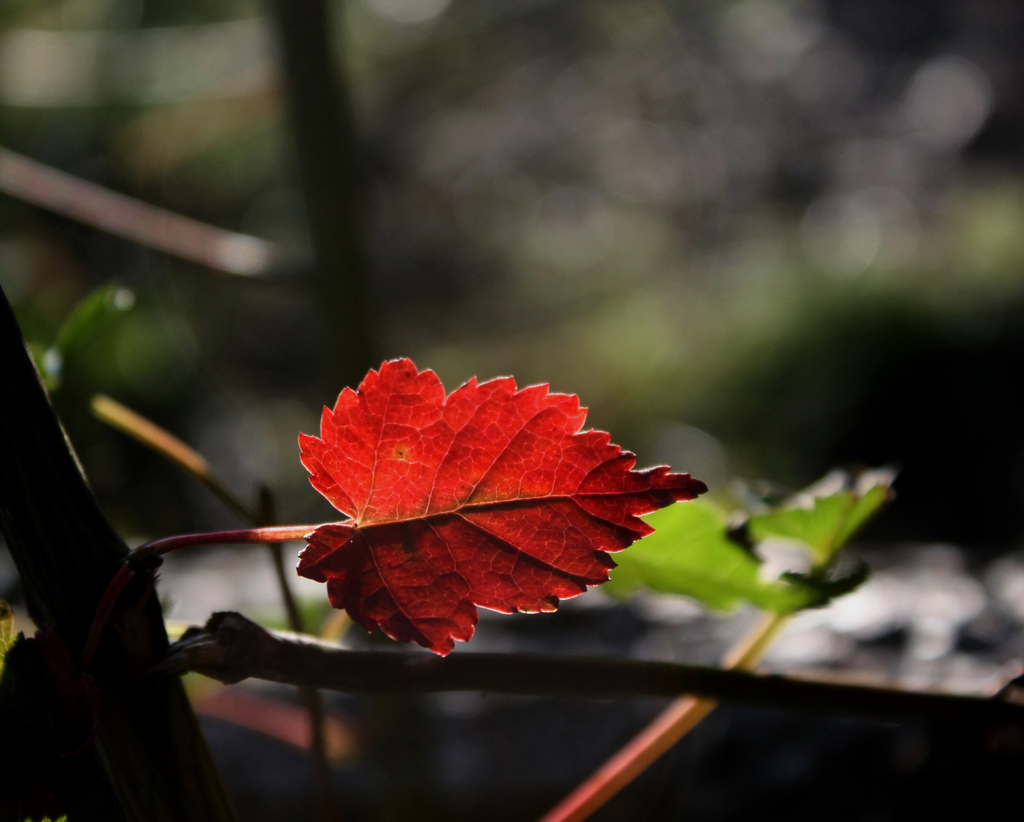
676,721
159,547
681,716
250,536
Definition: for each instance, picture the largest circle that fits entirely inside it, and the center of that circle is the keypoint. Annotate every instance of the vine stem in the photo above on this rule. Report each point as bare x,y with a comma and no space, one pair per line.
159,547
671,725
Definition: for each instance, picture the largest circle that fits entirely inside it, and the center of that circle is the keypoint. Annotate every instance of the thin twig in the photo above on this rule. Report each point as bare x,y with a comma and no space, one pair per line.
231,648
334,627
133,219
266,514
167,445
310,697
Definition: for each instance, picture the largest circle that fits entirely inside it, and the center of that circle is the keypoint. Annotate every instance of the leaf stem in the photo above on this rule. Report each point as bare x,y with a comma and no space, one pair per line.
671,725
752,646
243,536
159,547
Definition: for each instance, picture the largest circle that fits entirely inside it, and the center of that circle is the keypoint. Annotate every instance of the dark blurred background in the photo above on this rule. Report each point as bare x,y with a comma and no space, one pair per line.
759,239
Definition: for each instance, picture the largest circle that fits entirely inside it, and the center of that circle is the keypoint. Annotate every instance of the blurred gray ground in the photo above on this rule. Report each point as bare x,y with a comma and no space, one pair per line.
930,617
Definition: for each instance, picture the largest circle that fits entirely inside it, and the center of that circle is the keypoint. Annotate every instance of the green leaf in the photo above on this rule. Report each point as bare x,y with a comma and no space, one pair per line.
87,318
825,516
694,552
691,553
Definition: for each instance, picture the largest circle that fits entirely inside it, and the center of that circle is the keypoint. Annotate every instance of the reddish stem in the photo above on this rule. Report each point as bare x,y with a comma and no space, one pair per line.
277,533
159,547
671,725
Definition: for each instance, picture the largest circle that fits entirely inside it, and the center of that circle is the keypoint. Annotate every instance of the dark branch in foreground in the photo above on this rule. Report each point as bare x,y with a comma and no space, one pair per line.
231,648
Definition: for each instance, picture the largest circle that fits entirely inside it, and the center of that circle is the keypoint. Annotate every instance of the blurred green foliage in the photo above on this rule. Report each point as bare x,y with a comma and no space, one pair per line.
89,319
727,217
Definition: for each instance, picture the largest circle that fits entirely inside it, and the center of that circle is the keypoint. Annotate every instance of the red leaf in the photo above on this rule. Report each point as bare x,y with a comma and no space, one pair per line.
490,497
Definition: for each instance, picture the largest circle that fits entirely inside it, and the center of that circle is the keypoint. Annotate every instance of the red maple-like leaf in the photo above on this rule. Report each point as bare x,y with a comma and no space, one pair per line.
489,497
